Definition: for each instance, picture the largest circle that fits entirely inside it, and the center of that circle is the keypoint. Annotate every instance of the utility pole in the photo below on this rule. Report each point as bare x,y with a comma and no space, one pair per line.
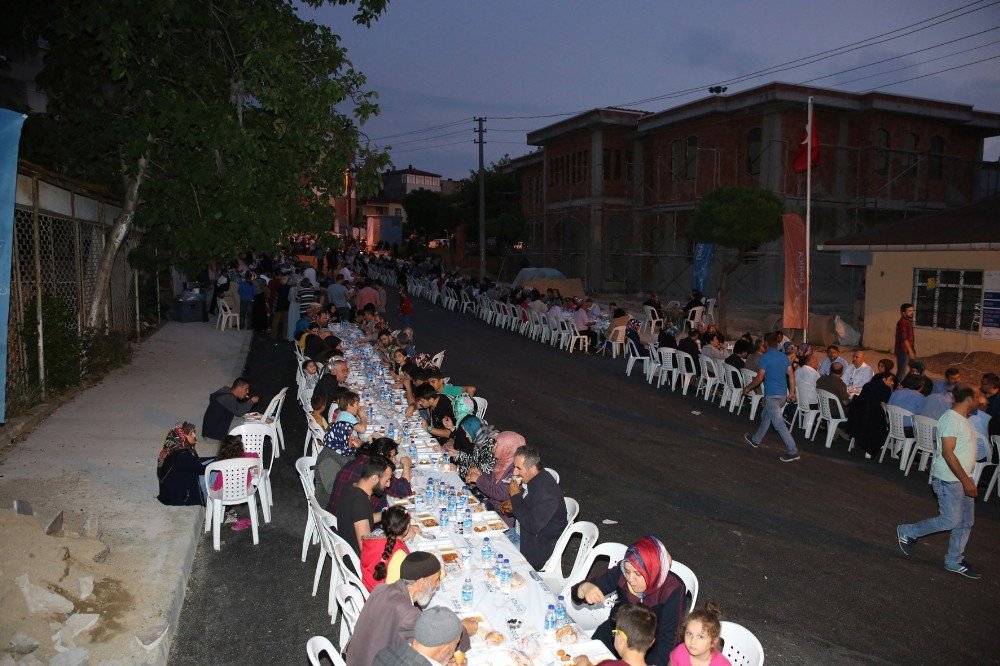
482,200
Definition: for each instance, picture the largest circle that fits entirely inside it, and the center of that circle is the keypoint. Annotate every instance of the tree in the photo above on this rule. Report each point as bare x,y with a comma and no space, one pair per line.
430,214
222,124
504,219
736,217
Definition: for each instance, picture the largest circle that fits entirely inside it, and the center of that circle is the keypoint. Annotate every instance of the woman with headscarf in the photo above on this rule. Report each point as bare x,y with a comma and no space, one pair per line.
642,577
179,470
632,333
492,484
865,417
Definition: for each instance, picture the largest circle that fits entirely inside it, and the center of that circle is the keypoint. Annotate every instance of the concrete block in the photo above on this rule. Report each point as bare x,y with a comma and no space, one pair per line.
40,600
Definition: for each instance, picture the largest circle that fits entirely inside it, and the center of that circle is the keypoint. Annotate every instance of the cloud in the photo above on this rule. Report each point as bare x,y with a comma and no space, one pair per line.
711,48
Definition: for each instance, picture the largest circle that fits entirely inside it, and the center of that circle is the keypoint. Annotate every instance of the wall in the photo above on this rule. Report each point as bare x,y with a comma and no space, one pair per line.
890,284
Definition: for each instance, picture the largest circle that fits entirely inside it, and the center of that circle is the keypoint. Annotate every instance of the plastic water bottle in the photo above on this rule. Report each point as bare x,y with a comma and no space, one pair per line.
467,593
505,576
411,449
561,611
391,431
467,521
444,516
498,566
550,618
442,492
451,503
486,552
429,492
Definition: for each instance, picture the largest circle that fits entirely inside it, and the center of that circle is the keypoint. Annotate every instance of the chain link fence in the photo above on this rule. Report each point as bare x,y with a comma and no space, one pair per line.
59,236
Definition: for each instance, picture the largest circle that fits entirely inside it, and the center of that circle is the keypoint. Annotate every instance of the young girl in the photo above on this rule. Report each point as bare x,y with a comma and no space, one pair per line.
311,373
319,411
383,550
701,639
232,447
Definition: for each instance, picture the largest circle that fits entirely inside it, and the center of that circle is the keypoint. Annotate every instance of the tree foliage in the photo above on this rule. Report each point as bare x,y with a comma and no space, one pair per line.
504,219
233,120
430,214
737,217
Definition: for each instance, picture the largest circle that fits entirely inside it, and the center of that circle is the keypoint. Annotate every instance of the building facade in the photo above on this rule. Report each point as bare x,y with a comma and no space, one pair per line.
609,192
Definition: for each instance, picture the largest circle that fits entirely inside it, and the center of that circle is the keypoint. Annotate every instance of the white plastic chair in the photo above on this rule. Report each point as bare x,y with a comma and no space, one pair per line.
668,366
689,578
685,371
805,415
740,646
694,317
555,474
326,525
574,336
481,405
616,341
227,316
832,412
733,383
653,321
589,617
253,435
350,600
273,412
709,379
349,563
977,471
319,645
306,468
897,438
235,490
755,396
994,452
632,355
314,436
708,316
438,359
572,510
925,442
552,573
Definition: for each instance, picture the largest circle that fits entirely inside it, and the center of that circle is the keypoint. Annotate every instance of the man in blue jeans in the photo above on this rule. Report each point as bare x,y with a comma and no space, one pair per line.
779,388
951,478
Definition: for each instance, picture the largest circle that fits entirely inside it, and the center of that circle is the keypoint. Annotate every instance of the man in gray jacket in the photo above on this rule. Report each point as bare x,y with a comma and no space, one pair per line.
223,405
435,638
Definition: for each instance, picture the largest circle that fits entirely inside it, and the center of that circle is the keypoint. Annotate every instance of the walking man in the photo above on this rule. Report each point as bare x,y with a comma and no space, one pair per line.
952,482
904,341
779,388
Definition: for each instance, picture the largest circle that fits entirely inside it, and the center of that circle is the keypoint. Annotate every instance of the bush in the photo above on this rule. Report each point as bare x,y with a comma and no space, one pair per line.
62,342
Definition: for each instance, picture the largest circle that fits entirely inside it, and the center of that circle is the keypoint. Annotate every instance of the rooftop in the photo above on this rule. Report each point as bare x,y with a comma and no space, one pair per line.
972,227
410,170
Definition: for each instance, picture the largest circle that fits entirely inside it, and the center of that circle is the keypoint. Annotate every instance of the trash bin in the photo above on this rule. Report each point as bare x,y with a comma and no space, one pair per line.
189,309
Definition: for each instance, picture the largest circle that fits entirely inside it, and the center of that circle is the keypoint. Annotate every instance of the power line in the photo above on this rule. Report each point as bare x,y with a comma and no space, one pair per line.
940,71
917,64
443,145
431,138
422,130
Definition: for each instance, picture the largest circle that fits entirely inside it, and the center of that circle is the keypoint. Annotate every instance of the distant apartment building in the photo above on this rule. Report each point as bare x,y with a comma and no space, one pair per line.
398,183
608,193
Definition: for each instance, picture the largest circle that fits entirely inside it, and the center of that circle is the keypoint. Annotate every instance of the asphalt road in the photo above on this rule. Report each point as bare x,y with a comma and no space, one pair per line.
803,554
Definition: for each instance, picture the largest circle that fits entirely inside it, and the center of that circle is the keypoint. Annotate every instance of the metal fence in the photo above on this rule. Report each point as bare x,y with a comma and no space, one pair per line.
59,235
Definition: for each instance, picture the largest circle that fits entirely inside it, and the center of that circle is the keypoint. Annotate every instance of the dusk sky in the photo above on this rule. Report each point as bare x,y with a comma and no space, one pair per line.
439,62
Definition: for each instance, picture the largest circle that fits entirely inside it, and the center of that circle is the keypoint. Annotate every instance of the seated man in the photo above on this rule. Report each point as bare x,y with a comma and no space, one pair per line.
715,349
539,506
834,383
654,302
355,519
832,356
435,378
951,379
858,373
436,636
390,615
351,472
581,319
593,311
441,417
937,404
321,345
689,345
308,317
926,383
909,397
741,349
331,381
223,405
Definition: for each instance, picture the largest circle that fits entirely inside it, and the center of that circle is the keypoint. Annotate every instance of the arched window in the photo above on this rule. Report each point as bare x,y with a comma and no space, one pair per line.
881,150
676,159
753,150
935,162
691,163
910,148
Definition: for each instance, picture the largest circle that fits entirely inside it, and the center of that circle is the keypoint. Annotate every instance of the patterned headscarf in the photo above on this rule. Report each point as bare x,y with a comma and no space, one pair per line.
651,559
507,443
633,325
176,440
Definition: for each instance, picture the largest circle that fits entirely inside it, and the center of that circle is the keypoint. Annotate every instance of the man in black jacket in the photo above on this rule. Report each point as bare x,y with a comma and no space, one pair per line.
223,405
539,506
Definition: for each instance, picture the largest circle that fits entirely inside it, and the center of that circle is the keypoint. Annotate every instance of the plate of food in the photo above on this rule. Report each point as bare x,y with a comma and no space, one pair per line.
595,651
426,520
450,556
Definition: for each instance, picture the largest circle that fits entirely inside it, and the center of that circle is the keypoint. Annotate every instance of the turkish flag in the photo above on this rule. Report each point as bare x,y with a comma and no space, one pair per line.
803,154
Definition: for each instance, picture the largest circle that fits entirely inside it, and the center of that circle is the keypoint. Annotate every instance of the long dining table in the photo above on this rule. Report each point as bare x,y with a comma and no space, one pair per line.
510,610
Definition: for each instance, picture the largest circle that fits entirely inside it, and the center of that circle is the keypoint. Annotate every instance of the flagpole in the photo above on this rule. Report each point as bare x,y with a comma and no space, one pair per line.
809,161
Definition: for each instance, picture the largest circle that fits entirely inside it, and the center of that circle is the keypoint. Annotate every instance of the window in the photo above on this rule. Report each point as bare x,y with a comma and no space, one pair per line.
948,299
628,166
676,159
881,151
753,150
910,148
399,212
618,165
606,164
584,165
691,164
934,163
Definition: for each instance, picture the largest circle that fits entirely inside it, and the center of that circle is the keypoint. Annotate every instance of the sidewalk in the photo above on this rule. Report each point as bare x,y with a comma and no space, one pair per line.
95,460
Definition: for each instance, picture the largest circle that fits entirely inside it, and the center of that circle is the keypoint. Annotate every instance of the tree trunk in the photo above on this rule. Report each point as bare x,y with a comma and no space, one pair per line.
113,242
723,284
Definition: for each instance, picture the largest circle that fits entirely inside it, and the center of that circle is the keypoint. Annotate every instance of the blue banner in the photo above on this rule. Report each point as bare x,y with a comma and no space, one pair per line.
10,137
701,266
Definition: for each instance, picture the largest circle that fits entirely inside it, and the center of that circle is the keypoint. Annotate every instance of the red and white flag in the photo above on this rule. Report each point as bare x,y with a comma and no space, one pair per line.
808,150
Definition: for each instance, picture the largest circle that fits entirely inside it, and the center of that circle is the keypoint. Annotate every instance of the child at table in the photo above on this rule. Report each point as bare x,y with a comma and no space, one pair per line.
232,447
311,373
383,550
701,639
635,631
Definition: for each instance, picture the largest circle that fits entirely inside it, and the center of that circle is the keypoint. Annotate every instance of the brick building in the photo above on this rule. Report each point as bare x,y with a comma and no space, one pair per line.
608,192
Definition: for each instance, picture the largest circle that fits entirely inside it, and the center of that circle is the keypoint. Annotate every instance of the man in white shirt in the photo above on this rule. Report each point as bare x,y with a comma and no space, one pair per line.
555,314
832,356
593,311
806,376
582,321
858,373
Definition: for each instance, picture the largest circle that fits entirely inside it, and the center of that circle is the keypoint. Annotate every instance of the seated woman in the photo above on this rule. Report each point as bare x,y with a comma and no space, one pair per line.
865,416
383,550
642,577
632,333
492,484
483,439
179,471
318,403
